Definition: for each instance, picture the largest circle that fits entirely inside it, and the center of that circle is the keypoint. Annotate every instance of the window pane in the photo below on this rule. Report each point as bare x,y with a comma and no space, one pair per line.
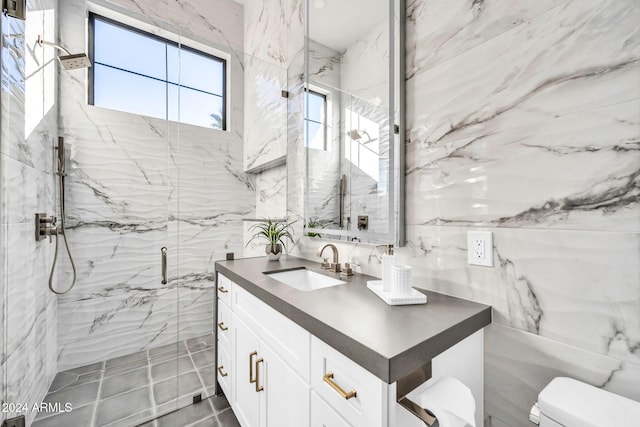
316,107
124,91
198,71
195,108
129,50
315,139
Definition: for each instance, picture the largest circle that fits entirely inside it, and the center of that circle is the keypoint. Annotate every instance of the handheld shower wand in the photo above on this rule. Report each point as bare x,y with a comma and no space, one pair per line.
61,230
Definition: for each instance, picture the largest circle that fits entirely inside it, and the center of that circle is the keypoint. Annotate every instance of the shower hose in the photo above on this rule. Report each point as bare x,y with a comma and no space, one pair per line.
62,231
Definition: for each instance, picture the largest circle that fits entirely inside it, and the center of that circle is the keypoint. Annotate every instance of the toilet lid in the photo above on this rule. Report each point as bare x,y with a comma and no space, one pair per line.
570,402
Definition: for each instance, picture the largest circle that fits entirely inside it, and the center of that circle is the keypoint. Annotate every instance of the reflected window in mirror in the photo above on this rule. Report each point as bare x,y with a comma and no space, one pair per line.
316,120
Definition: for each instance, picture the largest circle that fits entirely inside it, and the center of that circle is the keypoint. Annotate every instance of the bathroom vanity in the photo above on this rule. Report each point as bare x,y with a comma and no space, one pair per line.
337,356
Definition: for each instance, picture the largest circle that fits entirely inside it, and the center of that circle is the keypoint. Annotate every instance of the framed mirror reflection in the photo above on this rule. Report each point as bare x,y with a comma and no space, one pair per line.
354,128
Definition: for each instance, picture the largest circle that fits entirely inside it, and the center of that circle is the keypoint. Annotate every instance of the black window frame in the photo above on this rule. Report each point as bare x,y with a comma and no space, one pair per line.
91,79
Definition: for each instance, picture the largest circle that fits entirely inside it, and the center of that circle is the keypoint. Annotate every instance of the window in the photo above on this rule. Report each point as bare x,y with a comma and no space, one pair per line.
141,73
316,120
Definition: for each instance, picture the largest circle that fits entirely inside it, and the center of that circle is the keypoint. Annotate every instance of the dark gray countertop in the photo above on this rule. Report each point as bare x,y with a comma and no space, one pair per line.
389,341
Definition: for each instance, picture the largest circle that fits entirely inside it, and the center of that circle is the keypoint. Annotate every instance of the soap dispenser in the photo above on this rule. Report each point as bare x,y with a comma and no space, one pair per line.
388,261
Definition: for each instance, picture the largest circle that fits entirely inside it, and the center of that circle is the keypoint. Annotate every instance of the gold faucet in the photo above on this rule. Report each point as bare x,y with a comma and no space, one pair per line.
335,265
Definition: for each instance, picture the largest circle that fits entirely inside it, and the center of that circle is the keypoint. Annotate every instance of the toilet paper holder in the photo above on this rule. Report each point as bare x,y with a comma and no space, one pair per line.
406,385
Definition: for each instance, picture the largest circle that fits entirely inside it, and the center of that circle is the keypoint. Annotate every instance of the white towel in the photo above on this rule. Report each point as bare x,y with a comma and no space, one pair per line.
451,402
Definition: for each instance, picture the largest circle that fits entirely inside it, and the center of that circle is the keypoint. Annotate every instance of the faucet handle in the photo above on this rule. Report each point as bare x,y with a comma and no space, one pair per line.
325,264
347,270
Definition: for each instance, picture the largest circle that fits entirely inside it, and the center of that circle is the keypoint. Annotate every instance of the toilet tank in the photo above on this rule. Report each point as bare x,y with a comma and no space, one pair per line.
571,403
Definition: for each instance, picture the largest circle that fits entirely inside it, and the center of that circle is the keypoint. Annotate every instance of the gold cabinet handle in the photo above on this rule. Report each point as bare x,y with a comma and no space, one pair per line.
251,379
222,327
328,378
222,289
259,388
222,374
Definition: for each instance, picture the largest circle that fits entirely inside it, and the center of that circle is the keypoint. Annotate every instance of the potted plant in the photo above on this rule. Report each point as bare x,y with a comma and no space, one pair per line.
275,233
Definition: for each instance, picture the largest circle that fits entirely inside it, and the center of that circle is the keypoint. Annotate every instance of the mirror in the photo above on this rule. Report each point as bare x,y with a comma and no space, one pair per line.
354,135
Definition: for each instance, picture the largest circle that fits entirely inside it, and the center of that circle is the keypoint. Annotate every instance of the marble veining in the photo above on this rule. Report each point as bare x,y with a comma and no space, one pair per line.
137,184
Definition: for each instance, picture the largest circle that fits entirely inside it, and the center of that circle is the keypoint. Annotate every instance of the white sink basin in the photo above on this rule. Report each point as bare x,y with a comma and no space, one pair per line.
304,280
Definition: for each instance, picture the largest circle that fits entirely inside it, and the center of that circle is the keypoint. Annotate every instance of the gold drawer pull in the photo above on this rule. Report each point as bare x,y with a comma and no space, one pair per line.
328,378
223,290
222,374
251,379
259,388
222,327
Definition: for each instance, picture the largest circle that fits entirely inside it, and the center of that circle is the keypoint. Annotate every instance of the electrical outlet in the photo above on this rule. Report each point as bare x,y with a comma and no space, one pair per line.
480,248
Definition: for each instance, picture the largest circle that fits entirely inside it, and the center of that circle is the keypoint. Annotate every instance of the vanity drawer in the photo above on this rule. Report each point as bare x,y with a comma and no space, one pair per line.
223,371
224,323
323,415
335,377
288,340
224,289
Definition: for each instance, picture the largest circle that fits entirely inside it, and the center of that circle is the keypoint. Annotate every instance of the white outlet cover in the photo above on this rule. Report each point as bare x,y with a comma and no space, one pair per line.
480,248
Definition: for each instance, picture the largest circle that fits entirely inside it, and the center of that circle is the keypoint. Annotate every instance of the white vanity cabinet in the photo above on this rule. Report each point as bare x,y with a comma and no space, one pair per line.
270,364
279,375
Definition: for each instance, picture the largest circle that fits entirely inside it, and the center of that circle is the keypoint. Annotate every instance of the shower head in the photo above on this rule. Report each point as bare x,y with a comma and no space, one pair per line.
75,61
70,61
357,134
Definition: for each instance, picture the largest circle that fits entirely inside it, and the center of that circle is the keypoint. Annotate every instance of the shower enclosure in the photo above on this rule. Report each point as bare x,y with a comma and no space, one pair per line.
130,341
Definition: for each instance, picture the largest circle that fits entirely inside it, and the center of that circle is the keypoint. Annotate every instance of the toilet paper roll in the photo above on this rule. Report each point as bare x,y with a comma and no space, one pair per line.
451,402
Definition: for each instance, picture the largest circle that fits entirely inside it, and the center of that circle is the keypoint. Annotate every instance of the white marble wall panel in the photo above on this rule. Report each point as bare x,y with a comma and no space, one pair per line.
271,193
518,365
216,22
265,132
568,110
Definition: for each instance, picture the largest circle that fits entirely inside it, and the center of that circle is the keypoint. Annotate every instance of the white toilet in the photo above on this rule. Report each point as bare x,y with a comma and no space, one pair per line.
570,403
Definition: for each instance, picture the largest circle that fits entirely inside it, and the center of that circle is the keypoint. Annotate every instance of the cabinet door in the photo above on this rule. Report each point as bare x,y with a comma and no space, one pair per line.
285,398
246,401
323,415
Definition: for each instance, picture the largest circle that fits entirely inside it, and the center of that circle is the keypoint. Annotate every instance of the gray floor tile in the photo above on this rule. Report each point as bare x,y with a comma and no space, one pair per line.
228,419
200,343
219,403
208,422
152,423
186,416
77,417
204,358
174,348
130,359
98,366
124,382
77,396
184,384
208,375
68,380
122,406
171,368
61,380
117,370
132,421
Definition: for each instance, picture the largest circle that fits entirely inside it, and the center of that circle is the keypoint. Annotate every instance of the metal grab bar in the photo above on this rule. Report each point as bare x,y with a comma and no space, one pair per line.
164,265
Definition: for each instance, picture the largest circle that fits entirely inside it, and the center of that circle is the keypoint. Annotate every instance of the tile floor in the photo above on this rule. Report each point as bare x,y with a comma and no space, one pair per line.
133,389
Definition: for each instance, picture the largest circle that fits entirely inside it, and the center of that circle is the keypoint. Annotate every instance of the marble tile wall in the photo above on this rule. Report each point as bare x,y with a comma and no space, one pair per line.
523,120
273,36
137,184
28,355
274,40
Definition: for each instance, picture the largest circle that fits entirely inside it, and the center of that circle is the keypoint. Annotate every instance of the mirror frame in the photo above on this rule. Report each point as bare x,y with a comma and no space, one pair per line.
397,141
